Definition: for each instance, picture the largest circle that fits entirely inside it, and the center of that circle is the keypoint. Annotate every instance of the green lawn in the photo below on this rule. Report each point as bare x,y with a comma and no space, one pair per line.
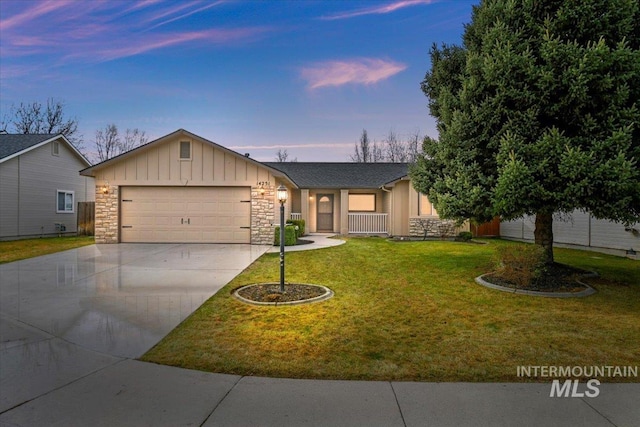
410,311
16,250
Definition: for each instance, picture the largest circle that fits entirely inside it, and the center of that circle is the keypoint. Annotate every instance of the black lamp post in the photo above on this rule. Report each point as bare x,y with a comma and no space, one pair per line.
281,194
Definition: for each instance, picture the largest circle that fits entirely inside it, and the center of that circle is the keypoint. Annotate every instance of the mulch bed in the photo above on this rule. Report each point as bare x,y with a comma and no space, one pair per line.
270,292
557,278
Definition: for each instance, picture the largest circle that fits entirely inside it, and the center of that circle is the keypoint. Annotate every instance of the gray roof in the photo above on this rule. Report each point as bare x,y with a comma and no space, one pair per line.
342,175
14,143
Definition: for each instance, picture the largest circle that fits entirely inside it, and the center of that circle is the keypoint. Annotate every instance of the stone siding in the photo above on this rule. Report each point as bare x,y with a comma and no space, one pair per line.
437,227
106,220
262,216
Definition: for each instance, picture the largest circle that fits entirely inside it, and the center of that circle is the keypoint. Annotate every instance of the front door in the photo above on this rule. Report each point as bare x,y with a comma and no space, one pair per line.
325,213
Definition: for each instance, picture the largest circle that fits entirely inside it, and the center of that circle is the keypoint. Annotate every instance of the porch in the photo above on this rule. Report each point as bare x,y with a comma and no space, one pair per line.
362,223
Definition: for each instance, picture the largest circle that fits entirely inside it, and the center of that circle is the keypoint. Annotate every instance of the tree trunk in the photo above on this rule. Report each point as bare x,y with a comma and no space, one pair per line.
544,234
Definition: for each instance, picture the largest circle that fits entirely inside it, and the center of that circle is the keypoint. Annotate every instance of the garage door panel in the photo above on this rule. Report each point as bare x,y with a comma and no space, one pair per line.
185,214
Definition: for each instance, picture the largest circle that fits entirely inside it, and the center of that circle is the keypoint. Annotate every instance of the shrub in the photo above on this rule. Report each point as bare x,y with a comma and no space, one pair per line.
520,265
301,225
464,236
290,237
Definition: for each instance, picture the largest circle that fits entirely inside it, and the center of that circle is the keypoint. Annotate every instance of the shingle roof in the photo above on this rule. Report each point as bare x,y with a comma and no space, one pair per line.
342,175
14,143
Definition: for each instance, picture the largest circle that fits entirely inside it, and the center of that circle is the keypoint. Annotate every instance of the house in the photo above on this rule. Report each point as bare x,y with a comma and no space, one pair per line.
357,198
580,230
185,188
40,186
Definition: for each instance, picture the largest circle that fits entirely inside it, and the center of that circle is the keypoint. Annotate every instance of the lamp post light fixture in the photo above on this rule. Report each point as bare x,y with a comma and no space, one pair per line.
281,194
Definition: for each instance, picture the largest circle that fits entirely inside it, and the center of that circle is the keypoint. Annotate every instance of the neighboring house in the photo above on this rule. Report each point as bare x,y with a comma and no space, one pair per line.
40,186
185,188
582,231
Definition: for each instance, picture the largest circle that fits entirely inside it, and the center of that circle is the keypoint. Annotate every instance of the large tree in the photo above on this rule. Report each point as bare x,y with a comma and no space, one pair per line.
538,113
36,118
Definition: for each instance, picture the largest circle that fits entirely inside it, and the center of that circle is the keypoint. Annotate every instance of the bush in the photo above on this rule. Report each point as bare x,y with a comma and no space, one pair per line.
464,236
521,265
300,224
290,237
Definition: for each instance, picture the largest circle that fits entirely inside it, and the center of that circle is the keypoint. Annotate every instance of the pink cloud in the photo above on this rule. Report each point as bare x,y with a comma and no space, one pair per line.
153,42
33,13
377,10
359,71
103,31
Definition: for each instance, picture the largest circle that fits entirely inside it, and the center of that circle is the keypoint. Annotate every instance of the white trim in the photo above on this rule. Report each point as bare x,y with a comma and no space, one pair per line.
73,201
40,144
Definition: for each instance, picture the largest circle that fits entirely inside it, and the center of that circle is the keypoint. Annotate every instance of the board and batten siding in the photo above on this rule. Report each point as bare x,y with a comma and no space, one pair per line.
579,229
160,165
28,191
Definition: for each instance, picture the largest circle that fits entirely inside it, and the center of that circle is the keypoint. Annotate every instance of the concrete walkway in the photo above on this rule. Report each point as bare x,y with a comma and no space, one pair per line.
71,325
320,241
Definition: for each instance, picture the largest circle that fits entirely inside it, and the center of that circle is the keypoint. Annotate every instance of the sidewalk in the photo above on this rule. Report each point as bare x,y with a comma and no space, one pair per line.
133,393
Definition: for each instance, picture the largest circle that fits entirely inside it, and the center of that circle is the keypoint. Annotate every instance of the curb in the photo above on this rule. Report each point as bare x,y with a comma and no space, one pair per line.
328,293
589,291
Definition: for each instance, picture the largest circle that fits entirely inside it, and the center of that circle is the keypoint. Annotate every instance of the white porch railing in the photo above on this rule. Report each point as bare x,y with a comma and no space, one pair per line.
296,215
368,223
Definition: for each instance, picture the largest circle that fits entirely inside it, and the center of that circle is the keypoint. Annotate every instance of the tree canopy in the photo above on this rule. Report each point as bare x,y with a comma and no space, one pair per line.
538,112
36,118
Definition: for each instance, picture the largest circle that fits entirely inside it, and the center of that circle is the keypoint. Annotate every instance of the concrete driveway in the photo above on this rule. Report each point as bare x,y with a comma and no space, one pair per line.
65,315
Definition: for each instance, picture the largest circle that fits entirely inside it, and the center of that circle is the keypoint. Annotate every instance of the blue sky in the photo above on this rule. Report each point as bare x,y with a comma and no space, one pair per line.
254,76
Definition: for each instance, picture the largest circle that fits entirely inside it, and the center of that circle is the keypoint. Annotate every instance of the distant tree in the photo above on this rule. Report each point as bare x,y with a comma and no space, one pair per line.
401,151
282,156
367,151
109,143
34,118
395,150
392,149
132,138
414,146
538,113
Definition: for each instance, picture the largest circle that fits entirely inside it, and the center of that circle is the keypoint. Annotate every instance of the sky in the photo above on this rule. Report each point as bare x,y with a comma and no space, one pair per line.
254,76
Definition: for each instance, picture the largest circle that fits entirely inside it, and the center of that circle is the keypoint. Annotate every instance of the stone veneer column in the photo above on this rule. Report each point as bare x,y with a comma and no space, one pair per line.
262,215
106,215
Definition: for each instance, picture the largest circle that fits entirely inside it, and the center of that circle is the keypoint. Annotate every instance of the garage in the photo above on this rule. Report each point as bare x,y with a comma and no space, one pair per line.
182,188
185,214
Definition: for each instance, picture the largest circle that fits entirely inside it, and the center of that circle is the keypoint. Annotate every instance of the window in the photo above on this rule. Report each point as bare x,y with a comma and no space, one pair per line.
362,202
55,148
425,208
64,201
185,150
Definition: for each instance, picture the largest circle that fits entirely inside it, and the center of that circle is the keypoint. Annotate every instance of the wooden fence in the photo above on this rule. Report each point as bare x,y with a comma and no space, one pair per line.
86,217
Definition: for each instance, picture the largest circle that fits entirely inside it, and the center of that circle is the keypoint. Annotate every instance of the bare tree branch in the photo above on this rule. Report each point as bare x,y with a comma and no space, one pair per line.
109,143
283,156
31,118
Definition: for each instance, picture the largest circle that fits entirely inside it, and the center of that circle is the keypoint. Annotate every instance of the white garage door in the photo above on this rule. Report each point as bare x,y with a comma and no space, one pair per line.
185,214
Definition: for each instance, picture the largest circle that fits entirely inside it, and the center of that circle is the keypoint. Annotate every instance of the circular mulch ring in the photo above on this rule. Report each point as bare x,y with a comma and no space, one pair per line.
294,293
